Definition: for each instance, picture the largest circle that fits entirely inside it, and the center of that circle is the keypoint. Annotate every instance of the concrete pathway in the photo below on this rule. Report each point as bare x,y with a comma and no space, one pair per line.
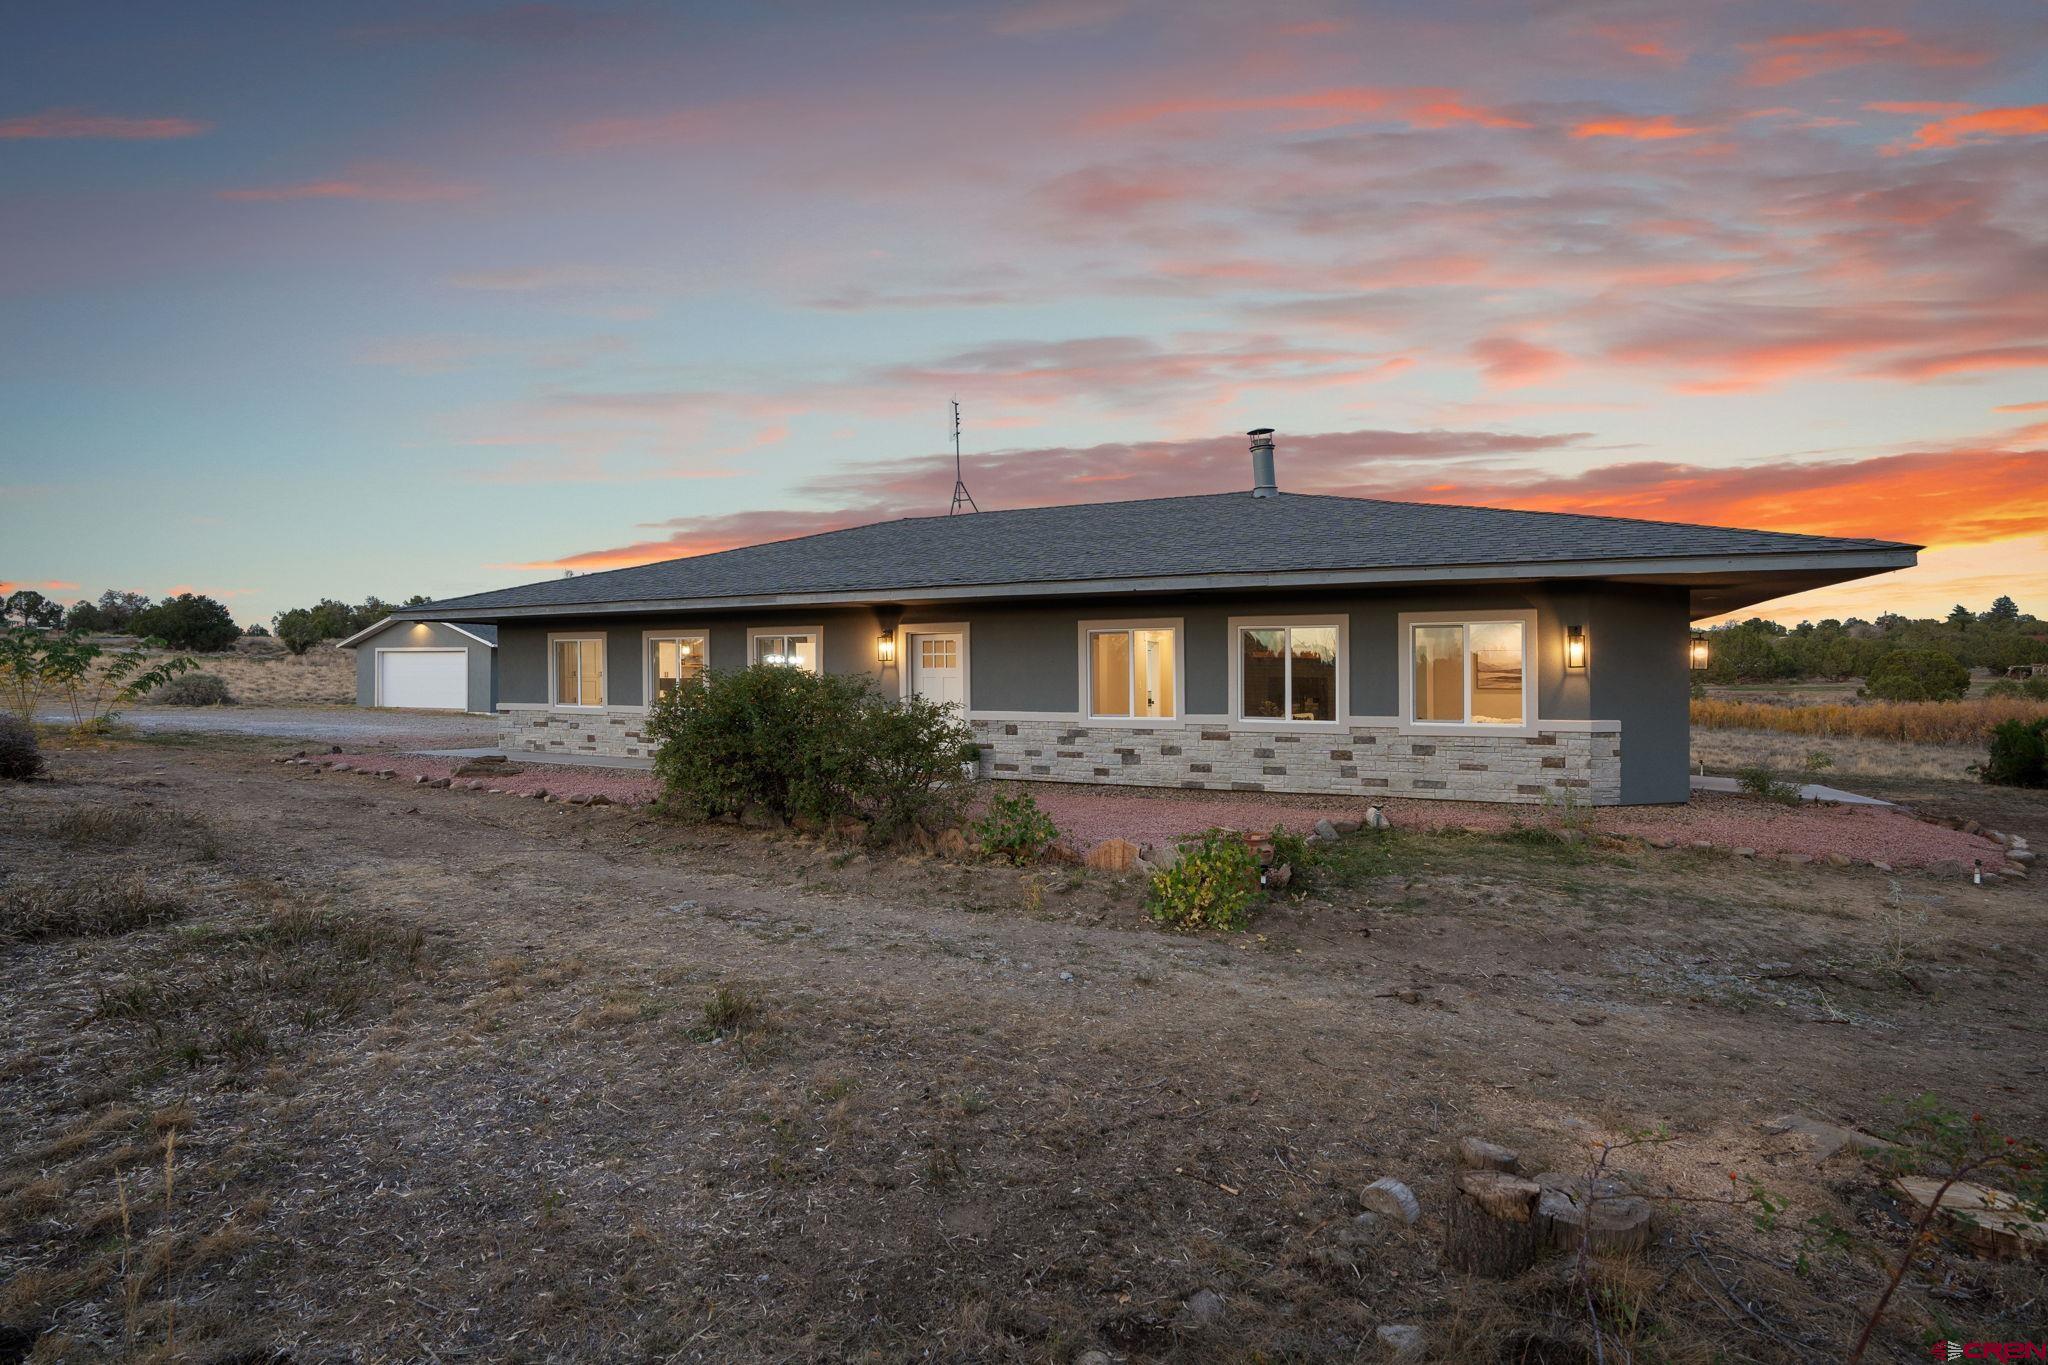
1811,791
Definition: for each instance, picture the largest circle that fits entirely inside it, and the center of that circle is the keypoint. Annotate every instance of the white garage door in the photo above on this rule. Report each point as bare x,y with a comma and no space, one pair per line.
424,679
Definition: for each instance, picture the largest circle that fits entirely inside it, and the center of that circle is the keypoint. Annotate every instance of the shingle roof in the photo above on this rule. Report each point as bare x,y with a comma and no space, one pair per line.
1213,534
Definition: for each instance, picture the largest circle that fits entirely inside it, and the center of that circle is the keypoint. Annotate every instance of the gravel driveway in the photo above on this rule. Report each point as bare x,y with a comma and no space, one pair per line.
321,724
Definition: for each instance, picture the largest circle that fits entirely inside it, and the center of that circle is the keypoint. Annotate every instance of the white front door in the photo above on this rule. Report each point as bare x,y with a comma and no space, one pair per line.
423,679
938,668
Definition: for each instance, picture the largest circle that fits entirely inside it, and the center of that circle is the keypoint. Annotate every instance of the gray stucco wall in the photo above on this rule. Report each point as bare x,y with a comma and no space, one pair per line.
483,673
1025,657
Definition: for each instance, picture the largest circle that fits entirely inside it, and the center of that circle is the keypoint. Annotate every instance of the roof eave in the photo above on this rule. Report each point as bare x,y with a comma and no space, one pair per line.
1855,563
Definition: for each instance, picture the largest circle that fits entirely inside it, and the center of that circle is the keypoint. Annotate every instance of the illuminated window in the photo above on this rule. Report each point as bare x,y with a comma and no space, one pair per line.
791,650
673,660
1131,674
1287,673
1469,673
578,668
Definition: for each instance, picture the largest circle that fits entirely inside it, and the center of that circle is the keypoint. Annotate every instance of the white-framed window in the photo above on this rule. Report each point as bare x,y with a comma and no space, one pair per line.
576,670
787,647
1289,670
673,658
1131,670
1469,671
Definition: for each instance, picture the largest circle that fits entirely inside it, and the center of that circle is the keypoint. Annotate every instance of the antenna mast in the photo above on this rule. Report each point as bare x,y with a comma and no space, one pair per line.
961,497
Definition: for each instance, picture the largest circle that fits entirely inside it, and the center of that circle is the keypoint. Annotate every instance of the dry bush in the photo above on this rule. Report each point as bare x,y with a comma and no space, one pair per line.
1913,722
91,908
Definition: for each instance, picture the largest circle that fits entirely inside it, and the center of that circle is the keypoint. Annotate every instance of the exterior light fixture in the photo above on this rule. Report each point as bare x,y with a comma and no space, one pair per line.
885,647
1699,654
1575,647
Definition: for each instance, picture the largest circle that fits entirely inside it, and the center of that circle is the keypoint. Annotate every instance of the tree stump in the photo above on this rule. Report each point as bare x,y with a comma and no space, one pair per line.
1491,1227
1600,1213
1477,1154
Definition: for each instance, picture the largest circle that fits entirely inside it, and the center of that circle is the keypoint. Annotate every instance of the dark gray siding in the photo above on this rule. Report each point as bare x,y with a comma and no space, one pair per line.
1026,657
483,672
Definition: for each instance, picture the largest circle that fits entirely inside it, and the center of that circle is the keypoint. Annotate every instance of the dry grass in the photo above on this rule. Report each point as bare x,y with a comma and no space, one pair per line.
1910,722
1727,751
93,907
322,676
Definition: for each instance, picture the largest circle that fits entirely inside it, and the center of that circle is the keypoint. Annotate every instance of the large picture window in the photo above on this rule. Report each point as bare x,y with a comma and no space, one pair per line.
1288,673
1132,673
578,668
673,660
1469,673
786,648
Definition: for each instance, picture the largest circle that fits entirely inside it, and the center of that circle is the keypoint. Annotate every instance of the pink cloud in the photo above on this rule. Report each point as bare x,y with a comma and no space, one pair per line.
373,184
1510,362
77,123
1793,57
1966,362
1416,106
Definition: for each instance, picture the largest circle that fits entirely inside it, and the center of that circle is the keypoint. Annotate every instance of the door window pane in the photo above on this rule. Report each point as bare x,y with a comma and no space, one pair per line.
1312,667
1440,673
1497,673
1109,673
1263,661
1152,685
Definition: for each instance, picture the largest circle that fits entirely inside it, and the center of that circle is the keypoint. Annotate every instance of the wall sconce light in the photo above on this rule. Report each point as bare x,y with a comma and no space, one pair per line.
1575,647
1699,654
885,647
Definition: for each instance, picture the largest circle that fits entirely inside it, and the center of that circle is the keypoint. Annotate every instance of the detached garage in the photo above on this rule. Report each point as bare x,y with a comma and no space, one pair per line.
426,666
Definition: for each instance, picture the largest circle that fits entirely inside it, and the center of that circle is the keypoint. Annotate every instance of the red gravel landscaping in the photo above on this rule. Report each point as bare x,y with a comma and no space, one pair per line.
1865,833
1160,817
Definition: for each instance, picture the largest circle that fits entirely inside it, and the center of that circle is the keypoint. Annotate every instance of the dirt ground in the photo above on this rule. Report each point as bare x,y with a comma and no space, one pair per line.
450,1076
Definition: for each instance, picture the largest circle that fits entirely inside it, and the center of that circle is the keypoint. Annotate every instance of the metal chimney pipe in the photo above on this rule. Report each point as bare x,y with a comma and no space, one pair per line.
1263,483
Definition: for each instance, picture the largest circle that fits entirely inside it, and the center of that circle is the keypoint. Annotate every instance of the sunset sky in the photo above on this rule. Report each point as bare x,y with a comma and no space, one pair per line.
335,300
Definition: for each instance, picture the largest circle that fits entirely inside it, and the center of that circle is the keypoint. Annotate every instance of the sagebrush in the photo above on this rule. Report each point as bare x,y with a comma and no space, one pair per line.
789,744
2018,754
1921,722
21,757
194,689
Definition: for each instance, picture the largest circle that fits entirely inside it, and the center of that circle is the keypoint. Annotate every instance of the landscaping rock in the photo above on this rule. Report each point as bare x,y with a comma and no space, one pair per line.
1346,826
1390,1198
1745,853
487,767
2020,855
1477,1154
1402,1341
1277,878
442,782
1327,831
1202,1308
1376,819
1113,855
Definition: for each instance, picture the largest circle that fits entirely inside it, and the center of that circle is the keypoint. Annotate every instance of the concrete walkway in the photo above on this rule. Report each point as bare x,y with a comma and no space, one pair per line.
521,756
1811,791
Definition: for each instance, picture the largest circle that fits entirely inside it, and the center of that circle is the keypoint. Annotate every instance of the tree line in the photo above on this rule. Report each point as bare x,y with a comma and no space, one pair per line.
1998,638
194,621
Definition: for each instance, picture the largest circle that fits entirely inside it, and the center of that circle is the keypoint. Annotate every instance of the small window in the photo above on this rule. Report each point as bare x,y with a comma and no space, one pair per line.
1131,674
938,651
673,661
1288,673
787,651
579,672
1470,673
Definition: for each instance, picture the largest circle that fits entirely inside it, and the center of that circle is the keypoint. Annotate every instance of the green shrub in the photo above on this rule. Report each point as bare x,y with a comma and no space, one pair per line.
1294,851
188,621
2019,755
1917,675
21,757
790,744
194,689
2004,687
1761,781
1212,885
1015,830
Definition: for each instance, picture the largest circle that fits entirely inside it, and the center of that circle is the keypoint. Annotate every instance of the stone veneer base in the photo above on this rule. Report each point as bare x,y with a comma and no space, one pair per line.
1355,761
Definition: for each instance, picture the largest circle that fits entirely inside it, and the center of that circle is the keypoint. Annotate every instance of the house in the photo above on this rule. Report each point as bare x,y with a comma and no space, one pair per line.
1258,641
426,665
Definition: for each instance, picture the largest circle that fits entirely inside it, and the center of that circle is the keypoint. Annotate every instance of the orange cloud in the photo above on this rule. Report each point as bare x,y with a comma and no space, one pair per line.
1416,106
77,123
1956,129
1509,362
1661,128
2022,407
1917,107
384,185
1967,362
1793,57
